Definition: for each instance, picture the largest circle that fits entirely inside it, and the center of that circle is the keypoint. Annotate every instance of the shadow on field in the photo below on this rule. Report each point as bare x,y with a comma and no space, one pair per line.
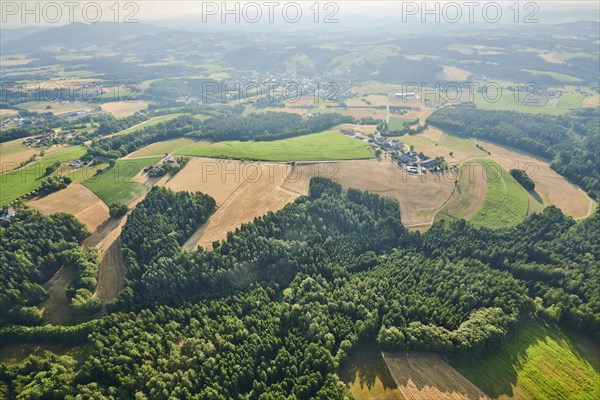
498,372
366,364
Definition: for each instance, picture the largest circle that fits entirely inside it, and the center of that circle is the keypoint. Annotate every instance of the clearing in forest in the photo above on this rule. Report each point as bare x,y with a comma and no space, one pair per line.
425,376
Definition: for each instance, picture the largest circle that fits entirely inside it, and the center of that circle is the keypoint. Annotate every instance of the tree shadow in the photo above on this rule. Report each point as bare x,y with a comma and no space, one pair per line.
367,365
536,196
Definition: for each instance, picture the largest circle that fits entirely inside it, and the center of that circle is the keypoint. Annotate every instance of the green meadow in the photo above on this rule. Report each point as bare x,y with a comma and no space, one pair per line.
16,183
506,202
327,145
537,361
116,185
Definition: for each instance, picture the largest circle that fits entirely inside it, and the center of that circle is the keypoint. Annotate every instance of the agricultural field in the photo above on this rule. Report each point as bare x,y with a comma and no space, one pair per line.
56,107
421,376
328,145
18,182
124,108
508,102
537,361
242,190
455,74
14,152
469,193
77,200
558,76
419,196
570,101
367,101
367,376
111,273
550,187
162,148
118,185
506,202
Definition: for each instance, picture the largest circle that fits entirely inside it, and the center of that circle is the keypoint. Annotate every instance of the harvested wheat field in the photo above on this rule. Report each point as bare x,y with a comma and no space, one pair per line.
550,187
455,74
425,376
124,108
75,199
242,190
111,273
419,196
468,195
376,113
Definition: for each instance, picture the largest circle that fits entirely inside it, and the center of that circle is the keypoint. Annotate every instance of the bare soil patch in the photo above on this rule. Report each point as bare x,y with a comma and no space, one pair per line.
425,376
75,199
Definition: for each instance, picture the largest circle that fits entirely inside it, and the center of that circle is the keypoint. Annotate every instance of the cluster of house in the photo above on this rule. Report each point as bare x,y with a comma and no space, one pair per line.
76,164
7,213
157,169
64,135
76,113
16,121
352,134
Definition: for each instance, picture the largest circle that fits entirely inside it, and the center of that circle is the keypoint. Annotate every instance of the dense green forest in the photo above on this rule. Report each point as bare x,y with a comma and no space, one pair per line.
274,309
32,248
268,126
571,141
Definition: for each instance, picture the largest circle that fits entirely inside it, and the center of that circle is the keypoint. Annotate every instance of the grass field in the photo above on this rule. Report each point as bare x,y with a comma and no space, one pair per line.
507,102
506,202
117,184
538,362
162,148
328,145
556,75
367,376
18,182
570,101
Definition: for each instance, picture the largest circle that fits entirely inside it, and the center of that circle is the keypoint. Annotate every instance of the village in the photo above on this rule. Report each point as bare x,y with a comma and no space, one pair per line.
402,154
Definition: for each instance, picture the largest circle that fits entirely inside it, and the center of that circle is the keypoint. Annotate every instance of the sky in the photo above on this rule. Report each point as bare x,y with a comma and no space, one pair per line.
34,12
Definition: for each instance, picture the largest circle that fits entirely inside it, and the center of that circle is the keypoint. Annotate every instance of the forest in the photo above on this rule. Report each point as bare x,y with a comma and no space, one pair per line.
32,248
272,310
571,142
263,126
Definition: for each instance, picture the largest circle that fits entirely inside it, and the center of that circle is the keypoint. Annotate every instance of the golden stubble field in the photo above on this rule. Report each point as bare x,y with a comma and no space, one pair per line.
124,108
425,376
77,200
245,190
